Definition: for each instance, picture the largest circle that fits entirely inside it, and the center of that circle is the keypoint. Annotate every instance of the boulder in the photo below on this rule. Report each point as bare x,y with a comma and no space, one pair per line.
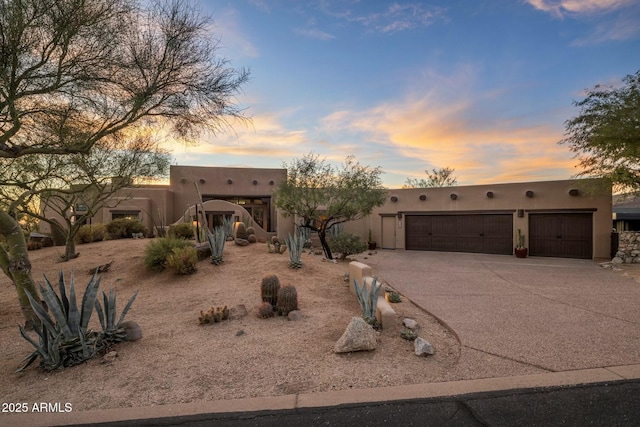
132,329
358,336
294,315
423,347
241,242
410,324
238,312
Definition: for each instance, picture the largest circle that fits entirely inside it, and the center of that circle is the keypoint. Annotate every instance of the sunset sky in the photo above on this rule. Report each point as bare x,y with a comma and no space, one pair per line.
482,86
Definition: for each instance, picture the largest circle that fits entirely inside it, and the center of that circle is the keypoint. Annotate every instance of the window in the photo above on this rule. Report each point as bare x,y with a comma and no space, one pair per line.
125,214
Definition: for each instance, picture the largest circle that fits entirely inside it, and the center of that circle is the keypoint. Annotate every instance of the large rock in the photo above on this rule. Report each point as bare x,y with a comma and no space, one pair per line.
358,336
241,242
410,324
423,347
132,329
294,315
238,312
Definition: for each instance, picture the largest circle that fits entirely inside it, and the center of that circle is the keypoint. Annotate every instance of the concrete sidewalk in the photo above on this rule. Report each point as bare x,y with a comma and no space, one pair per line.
522,316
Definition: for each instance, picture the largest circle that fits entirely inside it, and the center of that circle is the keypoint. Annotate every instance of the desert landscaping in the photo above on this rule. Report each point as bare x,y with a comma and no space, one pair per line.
178,360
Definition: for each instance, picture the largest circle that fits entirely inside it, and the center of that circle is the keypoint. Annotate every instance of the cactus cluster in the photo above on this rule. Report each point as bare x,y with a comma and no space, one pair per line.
214,315
287,300
275,246
269,289
276,298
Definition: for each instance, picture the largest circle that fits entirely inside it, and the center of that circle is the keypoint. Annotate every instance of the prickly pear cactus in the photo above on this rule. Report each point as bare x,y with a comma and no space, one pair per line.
269,289
287,300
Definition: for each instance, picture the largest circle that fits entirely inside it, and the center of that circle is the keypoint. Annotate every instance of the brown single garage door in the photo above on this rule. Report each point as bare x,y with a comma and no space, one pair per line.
478,233
564,235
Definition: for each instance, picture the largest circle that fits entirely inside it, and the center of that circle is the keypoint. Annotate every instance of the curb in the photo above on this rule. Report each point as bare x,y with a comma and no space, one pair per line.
326,399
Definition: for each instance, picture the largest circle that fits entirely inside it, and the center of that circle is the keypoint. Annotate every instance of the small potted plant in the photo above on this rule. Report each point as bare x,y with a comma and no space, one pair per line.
372,244
520,250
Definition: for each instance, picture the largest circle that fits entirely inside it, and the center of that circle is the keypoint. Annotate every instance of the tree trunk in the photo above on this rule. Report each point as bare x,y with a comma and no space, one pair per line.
70,249
322,234
16,265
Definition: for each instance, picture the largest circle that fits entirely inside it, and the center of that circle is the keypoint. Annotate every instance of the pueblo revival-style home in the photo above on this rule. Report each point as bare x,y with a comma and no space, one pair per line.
569,218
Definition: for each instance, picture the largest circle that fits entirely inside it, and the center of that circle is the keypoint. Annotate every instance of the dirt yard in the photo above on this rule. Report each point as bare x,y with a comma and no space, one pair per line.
178,361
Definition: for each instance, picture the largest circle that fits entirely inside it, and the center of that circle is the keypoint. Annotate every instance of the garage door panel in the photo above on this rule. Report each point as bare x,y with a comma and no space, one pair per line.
563,235
476,233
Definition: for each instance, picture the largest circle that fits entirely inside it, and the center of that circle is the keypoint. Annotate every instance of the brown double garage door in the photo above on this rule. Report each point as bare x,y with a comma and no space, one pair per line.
566,235
478,233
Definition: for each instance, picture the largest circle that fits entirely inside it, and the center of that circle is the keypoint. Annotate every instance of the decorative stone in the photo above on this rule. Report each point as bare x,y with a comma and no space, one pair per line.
240,332
294,315
359,336
423,347
238,312
132,330
617,260
241,242
109,357
410,324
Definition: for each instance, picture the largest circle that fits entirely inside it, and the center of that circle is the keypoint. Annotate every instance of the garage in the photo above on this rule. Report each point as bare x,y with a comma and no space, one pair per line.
563,235
476,233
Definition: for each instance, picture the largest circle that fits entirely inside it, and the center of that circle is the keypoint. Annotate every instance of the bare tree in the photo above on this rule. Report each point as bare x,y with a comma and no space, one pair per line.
442,177
73,72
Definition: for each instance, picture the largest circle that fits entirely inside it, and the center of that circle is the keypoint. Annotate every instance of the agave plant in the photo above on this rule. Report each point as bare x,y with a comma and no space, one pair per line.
295,245
216,243
112,331
227,226
64,338
368,298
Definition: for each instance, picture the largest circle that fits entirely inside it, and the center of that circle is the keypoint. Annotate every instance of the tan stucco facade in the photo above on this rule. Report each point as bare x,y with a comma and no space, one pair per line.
251,189
387,223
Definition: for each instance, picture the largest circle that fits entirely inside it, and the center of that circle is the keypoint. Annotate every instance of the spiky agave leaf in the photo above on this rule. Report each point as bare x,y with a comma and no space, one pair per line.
74,314
88,300
127,307
41,313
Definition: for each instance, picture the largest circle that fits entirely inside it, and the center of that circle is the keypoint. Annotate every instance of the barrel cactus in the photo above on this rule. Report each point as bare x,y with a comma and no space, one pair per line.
269,289
265,310
287,300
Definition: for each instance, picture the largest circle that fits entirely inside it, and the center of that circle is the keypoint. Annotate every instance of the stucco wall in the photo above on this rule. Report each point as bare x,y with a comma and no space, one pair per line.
551,196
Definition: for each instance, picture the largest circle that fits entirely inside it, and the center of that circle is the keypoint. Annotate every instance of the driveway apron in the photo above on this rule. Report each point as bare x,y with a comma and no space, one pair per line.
522,315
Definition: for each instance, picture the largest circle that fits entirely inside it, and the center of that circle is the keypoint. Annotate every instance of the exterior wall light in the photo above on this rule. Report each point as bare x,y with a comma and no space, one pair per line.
490,194
529,194
272,182
423,197
453,196
394,199
229,181
574,192
202,181
255,182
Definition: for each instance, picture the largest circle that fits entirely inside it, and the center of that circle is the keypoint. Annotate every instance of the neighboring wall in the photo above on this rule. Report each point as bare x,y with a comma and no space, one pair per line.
547,196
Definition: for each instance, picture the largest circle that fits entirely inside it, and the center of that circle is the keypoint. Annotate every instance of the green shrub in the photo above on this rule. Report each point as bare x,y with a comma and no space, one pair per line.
182,230
123,228
183,260
347,244
91,233
158,250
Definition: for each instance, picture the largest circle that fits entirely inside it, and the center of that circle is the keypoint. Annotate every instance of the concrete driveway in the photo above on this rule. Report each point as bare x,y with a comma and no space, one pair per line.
522,316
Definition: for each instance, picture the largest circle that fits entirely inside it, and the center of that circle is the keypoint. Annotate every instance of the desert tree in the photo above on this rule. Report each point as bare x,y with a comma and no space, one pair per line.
73,72
76,186
321,195
605,135
442,177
